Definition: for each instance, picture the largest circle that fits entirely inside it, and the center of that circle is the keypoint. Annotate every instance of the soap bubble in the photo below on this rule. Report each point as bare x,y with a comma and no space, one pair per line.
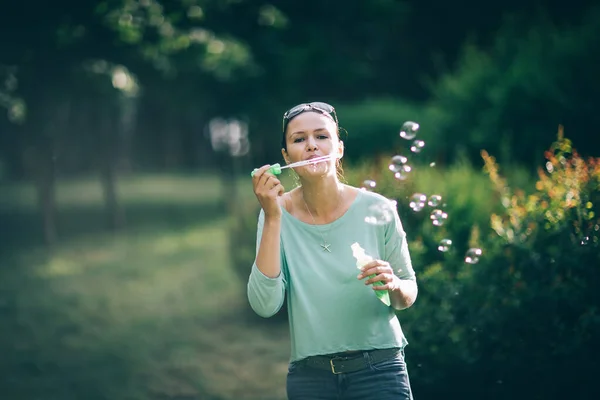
403,173
438,217
400,168
417,202
381,213
417,146
444,245
434,200
369,184
472,256
397,163
585,241
432,164
409,130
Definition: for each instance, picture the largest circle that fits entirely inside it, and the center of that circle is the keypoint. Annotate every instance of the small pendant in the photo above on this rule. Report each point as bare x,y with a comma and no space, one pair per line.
325,247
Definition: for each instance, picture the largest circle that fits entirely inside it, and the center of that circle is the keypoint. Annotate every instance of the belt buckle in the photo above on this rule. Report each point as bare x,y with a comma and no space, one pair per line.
333,366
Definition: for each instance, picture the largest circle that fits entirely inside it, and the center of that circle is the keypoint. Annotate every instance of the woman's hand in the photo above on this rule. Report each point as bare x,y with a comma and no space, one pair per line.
383,273
267,189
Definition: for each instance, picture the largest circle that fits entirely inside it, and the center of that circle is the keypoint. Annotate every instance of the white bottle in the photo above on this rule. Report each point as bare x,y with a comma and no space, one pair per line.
362,259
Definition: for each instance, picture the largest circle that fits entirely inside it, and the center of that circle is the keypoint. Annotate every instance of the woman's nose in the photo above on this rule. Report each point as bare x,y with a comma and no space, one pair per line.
311,143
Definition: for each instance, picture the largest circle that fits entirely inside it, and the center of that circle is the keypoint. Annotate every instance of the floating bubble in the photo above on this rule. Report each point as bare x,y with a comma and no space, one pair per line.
369,184
417,146
438,217
472,256
380,213
549,167
403,173
585,241
417,202
444,245
397,163
409,130
432,164
434,200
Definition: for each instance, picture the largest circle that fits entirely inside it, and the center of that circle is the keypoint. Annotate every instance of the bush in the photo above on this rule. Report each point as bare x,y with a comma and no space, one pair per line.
373,126
520,323
507,97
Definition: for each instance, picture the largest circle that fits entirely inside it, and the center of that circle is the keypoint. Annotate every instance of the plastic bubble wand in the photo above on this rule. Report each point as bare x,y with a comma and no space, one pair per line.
275,169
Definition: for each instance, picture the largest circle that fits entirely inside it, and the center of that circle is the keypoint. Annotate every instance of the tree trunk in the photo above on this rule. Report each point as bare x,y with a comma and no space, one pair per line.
110,136
46,191
114,211
44,162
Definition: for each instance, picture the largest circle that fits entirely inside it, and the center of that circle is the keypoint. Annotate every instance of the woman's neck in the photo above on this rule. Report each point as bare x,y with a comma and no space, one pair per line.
322,196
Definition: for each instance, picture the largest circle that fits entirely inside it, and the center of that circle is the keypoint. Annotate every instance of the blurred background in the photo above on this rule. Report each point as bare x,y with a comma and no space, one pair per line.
128,129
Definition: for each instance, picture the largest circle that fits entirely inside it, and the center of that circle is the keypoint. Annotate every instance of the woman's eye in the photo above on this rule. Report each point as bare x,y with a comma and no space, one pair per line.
298,140
323,137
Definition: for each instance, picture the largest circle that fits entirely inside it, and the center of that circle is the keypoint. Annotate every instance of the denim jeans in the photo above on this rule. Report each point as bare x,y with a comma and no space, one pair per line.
383,380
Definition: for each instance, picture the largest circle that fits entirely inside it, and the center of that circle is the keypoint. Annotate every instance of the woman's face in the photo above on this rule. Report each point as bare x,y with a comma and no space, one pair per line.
312,134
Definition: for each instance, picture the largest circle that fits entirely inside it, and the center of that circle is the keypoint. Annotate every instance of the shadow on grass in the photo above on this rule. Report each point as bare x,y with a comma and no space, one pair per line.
49,352
56,345
20,230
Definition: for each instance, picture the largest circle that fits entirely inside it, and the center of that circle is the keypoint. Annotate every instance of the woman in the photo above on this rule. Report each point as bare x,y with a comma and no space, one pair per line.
345,342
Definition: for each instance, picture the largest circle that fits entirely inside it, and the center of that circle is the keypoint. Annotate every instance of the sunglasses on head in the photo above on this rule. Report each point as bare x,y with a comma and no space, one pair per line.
317,106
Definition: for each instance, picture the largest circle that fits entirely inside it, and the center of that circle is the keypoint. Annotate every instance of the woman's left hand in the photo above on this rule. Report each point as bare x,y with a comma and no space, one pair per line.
383,273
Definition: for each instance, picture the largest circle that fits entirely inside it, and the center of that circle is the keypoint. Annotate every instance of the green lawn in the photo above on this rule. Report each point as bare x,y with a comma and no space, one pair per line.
152,313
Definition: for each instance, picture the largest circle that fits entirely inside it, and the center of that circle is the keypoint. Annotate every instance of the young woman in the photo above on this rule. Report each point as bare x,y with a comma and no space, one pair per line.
345,342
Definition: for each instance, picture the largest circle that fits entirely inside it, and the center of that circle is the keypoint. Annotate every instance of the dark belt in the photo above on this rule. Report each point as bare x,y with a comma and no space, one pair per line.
341,363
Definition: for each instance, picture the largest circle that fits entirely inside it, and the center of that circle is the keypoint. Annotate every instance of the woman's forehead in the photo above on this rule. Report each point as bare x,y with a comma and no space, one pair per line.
310,121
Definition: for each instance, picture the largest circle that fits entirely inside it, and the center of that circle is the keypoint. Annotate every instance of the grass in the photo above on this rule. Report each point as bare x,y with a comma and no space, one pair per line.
152,313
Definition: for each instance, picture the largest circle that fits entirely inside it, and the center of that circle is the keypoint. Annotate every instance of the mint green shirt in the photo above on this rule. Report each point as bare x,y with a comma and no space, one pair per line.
329,309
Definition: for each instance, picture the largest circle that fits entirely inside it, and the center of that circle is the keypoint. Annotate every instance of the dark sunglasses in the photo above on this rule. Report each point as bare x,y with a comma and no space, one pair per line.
318,106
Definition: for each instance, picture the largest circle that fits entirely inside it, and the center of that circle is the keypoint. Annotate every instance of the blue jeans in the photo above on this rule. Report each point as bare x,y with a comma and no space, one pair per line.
383,380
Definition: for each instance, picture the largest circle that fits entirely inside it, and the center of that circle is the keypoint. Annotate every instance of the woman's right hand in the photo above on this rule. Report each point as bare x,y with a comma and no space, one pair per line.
267,189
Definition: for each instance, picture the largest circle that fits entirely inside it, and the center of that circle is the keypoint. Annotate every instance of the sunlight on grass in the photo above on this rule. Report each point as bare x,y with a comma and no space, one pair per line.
131,189
168,305
152,313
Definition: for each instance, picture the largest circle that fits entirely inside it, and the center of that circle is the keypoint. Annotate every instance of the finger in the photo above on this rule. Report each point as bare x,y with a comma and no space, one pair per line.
385,278
265,180
277,189
271,181
373,264
379,269
386,286
259,172
259,176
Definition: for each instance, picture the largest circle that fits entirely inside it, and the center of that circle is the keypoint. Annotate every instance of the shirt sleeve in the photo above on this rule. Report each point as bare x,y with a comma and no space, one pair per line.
396,249
265,294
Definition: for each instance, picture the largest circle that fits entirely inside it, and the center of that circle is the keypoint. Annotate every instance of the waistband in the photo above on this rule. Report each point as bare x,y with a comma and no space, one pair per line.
340,363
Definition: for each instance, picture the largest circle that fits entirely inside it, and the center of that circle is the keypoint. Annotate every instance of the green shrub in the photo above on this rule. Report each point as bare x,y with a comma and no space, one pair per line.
523,321
507,96
373,126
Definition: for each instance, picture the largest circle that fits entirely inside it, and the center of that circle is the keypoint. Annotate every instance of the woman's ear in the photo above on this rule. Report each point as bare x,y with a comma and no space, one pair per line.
285,156
340,149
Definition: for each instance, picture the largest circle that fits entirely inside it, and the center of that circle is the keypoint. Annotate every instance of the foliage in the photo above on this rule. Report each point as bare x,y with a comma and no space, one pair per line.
531,303
506,98
371,127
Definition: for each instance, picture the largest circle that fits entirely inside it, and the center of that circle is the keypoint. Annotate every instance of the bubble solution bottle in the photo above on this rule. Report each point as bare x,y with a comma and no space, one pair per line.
362,259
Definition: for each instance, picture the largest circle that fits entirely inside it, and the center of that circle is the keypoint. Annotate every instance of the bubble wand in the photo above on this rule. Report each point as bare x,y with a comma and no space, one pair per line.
275,169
